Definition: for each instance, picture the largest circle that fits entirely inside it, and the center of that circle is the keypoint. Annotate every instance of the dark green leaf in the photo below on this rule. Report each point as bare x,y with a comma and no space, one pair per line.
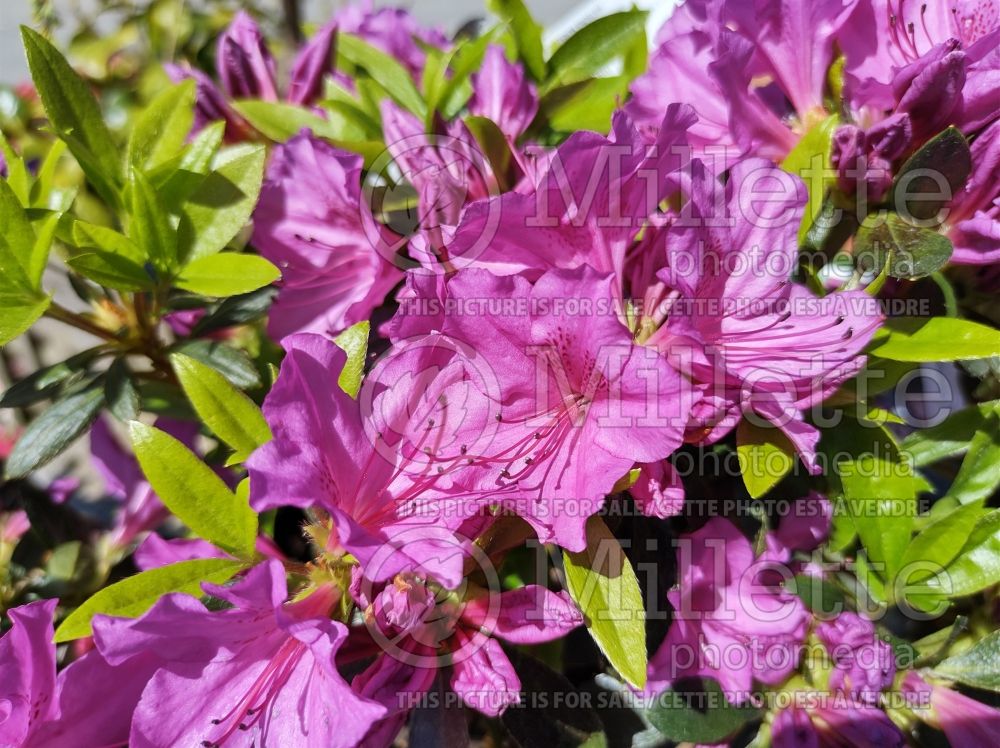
53,431
976,666
120,392
932,175
909,251
43,383
706,717
236,310
133,596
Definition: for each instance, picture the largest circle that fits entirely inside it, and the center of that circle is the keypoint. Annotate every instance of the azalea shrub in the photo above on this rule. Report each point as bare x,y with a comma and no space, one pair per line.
633,387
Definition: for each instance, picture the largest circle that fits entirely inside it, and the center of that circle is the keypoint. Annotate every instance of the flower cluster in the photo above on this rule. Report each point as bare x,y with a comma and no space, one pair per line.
407,358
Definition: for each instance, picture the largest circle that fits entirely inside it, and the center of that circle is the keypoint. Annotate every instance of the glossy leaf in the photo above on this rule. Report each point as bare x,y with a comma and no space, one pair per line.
150,228
596,44
227,274
527,34
706,717
765,456
385,69
233,364
133,596
231,415
53,431
603,584
976,666
354,342
160,131
74,114
222,204
193,492
920,339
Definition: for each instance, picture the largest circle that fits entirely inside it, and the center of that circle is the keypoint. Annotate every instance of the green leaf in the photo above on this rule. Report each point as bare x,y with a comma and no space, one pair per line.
232,363
41,190
221,205
133,596
17,240
43,383
526,33
809,161
45,233
940,542
765,456
699,718
236,310
120,392
193,492
878,487
111,270
909,251
74,114
20,311
979,475
921,340
177,182
231,415
949,438
944,156
53,431
227,274
150,228
586,105
107,240
601,581
383,68
280,121
976,666
163,126
17,172
977,566
589,49
494,146
354,342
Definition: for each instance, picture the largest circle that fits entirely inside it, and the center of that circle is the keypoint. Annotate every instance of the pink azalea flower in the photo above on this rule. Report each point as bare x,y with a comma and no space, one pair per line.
246,69
312,222
578,401
727,625
758,342
592,197
501,92
863,664
259,673
421,629
390,510
27,688
973,221
964,721
395,31
842,725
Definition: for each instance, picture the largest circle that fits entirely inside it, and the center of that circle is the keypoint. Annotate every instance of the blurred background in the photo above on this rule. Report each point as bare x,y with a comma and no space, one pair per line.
449,15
